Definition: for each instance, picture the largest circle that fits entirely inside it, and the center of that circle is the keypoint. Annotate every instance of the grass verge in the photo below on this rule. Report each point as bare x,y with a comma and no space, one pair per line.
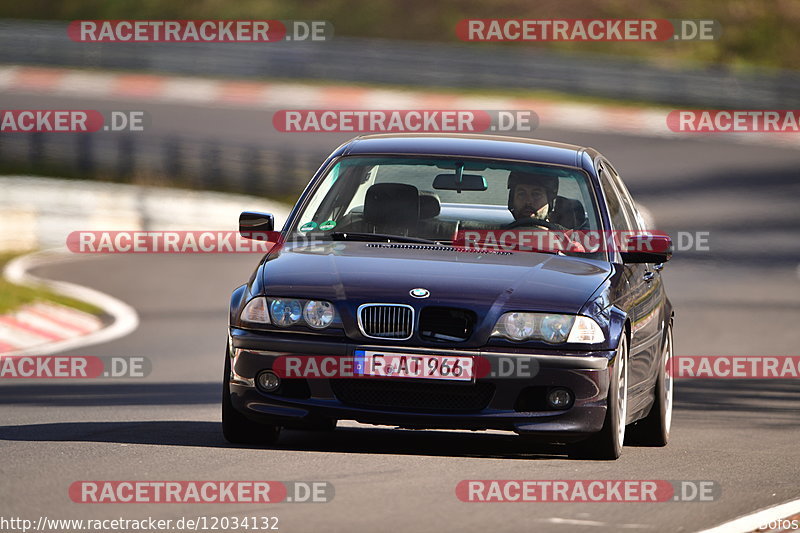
14,296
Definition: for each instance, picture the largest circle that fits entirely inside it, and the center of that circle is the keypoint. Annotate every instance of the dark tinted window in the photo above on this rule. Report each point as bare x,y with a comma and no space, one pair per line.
628,205
615,208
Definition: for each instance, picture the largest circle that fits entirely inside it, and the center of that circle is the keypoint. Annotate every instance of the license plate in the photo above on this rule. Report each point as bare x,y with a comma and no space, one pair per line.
406,365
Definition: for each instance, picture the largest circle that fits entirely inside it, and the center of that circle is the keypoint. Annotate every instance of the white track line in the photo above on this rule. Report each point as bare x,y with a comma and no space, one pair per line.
125,319
751,522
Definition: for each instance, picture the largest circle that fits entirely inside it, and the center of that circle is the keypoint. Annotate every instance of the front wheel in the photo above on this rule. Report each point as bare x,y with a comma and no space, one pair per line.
607,443
236,428
653,430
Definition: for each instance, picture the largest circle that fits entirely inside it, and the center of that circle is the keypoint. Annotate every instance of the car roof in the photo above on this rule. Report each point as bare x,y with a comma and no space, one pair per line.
466,145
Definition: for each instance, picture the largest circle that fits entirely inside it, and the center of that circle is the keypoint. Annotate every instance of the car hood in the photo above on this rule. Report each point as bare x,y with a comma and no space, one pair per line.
360,272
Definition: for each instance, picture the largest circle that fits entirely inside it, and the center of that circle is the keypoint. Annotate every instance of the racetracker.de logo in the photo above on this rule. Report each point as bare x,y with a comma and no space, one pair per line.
73,367
403,121
184,492
198,31
586,490
172,242
734,121
537,30
50,120
70,121
577,241
736,367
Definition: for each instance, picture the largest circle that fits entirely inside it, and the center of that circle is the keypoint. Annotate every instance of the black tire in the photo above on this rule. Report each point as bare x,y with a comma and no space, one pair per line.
607,443
236,428
653,430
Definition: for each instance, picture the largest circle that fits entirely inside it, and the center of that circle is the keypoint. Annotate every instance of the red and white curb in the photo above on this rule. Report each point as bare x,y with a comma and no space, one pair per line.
282,95
46,328
41,323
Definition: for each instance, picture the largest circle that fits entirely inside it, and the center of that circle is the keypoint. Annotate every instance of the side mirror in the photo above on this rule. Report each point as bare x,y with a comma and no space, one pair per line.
647,248
254,225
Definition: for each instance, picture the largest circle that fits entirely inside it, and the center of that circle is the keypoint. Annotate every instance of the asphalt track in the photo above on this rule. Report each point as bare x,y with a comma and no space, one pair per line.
740,298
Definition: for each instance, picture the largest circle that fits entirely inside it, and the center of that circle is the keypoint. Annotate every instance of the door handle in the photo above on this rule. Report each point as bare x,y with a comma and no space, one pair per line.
649,276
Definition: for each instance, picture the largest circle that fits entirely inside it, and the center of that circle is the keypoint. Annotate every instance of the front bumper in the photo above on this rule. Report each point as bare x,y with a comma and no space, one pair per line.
513,402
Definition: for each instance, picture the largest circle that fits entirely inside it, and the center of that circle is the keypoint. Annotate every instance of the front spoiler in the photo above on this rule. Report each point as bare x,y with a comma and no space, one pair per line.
586,374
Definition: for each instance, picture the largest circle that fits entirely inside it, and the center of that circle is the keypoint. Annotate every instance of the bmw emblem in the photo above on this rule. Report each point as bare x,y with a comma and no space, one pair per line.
420,293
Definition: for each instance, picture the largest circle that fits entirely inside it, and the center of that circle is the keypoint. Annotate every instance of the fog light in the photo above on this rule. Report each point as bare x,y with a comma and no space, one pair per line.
268,381
559,398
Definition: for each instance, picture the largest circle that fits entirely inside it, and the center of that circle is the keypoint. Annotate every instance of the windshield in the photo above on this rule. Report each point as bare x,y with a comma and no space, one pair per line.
443,199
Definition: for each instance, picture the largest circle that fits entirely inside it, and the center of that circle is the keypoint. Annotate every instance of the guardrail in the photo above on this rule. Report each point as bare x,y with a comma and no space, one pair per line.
276,171
38,212
411,63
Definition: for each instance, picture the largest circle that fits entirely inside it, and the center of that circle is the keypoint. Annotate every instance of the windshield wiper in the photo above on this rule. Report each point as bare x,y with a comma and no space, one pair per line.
376,237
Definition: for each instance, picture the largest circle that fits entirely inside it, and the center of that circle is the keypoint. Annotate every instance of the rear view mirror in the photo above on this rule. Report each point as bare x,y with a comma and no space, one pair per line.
647,248
254,225
468,182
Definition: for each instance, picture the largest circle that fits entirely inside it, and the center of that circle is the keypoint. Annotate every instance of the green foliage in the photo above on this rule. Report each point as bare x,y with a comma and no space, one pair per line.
755,32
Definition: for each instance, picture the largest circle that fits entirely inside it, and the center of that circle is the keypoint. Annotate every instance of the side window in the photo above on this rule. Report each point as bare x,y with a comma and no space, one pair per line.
628,204
615,208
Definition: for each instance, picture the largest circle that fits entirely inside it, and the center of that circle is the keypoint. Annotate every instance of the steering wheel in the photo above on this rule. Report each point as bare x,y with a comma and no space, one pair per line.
535,222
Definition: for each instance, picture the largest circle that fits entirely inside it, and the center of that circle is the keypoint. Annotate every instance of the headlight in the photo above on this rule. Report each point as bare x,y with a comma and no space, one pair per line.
516,326
548,327
285,311
555,328
256,311
318,314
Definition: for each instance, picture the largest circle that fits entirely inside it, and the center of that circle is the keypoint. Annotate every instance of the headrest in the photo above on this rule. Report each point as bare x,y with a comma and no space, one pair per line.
392,203
429,204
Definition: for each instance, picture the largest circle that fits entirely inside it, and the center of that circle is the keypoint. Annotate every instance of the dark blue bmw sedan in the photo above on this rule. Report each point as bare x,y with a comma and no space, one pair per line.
461,282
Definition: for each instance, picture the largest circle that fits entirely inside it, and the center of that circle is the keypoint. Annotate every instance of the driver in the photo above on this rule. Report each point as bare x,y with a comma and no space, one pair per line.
535,196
